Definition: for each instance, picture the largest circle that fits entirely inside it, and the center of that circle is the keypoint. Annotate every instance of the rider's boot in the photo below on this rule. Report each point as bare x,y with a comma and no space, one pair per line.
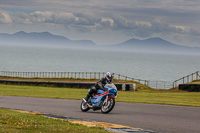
90,93
87,97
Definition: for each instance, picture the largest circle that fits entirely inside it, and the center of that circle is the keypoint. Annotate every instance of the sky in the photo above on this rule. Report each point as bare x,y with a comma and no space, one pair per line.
105,21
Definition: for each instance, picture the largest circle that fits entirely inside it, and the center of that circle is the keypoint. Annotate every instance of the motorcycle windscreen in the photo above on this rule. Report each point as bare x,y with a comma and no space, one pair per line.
111,86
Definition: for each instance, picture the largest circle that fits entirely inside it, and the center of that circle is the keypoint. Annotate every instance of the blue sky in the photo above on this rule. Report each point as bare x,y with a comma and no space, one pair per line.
105,21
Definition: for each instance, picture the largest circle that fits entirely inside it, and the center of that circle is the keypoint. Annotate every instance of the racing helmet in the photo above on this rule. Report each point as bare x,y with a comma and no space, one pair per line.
109,77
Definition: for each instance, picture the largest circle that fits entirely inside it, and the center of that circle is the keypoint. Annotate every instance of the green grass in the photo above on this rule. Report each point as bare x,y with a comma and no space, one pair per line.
45,92
172,97
194,82
15,122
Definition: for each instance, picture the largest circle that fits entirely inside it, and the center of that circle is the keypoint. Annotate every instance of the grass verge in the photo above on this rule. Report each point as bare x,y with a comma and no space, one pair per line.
139,86
11,121
147,96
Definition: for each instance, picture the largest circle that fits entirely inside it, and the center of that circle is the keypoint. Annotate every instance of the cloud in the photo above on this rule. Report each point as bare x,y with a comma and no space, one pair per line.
130,18
5,17
88,23
52,17
78,21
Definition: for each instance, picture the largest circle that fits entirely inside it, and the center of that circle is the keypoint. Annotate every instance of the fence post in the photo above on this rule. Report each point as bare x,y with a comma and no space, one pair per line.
198,74
192,76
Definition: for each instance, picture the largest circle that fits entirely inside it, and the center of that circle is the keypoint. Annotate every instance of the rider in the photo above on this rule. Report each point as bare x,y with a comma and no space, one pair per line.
100,85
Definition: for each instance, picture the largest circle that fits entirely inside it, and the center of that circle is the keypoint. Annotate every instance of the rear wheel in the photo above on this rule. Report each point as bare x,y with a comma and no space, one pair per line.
108,106
84,106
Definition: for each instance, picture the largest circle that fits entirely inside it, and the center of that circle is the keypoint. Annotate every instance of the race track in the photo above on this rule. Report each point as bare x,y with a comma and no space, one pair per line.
159,118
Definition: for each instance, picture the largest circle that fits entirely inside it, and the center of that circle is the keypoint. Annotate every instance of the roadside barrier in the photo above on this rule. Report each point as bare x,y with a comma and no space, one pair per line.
72,75
187,79
124,87
98,75
160,84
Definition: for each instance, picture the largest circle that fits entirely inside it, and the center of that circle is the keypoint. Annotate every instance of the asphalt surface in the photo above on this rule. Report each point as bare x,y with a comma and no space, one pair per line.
159,118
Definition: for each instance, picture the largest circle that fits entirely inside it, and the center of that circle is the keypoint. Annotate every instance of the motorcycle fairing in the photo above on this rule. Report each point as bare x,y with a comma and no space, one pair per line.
96,99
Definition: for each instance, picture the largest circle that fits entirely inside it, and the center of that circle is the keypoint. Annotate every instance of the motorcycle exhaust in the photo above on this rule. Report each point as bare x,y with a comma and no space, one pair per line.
84,100
87,103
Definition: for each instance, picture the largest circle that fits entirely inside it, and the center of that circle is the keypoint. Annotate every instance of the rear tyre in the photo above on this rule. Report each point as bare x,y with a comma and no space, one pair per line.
84,107
109,106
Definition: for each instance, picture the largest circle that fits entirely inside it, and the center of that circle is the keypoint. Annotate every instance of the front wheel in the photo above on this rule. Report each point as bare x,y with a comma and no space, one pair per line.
108,106
84,106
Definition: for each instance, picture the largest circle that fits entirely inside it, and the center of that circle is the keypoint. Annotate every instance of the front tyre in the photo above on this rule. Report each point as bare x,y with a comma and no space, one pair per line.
84,107
108,106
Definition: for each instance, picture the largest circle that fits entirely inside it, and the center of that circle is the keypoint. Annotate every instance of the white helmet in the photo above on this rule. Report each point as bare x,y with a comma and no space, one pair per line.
109,77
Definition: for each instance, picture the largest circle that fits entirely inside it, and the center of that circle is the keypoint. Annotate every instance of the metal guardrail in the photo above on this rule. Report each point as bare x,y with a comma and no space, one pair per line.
74,75
187,79
160,84
98,75
120,86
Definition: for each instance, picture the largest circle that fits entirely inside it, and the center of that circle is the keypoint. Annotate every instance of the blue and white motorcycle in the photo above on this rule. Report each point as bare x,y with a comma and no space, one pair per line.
104,100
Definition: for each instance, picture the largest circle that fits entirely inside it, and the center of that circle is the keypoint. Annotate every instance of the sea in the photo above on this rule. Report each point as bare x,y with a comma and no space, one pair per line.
146,66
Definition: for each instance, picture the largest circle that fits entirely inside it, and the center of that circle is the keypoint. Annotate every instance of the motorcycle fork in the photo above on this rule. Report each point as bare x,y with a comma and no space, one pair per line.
105,101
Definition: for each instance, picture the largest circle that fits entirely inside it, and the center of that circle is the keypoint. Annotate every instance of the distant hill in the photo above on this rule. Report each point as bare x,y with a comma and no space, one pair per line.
46,39
147,43
41,38
155,45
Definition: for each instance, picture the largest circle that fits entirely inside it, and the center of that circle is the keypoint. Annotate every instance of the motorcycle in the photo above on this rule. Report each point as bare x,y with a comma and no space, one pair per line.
104,100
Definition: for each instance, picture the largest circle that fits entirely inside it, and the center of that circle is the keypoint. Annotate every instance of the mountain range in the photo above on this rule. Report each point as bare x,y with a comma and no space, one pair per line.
41,39
156,45
47,39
